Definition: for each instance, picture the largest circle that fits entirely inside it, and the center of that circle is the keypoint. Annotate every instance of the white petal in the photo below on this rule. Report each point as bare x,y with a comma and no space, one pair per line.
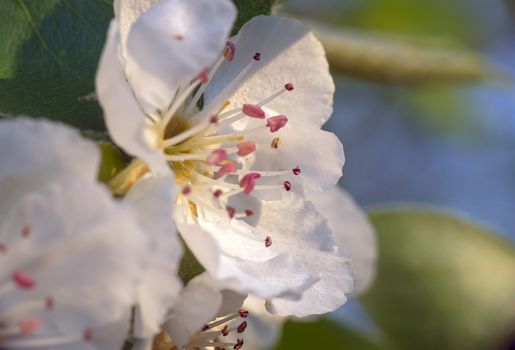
172,43
318,153
263,330
295,226
34,153
127,124
352,232
153,198
289,54
128,11
238,258
231,302
198,304
83,250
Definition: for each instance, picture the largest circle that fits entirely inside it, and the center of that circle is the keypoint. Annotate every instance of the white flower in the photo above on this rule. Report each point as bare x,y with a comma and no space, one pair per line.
71,257
352,232
238,123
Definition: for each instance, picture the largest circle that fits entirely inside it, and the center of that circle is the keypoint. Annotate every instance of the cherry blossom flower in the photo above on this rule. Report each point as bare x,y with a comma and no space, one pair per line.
71,257
238,124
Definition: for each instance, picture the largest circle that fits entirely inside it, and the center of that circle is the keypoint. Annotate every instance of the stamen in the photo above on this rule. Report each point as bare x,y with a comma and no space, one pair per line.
216,156
186,156
87,335
229,51
183,136
226,169
207,77
217,100
276,123
268,241
26,231
239,344
257,56
248,182
49,303
218,193
296,170
249,212
231,211
186,190
241,328
253,111
275,143
225,331
246,148
289,87
178,101
243,313
287,185
22,280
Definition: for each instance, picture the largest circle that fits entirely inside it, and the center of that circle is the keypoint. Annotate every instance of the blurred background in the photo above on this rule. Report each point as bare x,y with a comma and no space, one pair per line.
441,137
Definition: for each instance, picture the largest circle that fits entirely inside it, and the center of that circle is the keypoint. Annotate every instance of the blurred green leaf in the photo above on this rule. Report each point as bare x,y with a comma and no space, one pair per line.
48,58
443,283
322,334
112,163
250,8
383,57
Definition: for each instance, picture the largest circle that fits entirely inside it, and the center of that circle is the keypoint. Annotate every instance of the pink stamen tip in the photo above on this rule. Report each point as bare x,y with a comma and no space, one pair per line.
238,345
268,241
226,169
229,51
248,182
216,156
204,76
253,111
296,170
231,211
249,212
289,87
213,119
29,325
276,123
218,193
287,185
243,313
49,302
257,56
87,335
22,280
186,190
241,328
3,248
225,331
26,231
245,148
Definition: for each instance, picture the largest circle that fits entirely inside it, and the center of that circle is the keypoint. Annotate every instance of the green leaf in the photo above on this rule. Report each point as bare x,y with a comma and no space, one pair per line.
48,58
443,282
250,8
112,163
322,334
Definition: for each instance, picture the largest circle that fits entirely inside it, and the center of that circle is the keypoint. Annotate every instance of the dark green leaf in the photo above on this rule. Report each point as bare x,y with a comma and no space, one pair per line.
250,8
443,283
322,334
48,58
113,162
